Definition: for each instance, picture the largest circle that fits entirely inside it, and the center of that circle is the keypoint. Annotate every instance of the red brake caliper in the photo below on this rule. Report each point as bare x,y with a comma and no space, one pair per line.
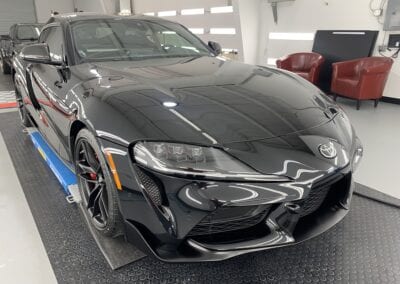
93,176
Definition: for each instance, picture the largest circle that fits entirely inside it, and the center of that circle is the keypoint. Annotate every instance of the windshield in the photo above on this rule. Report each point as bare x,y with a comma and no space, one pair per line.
28,32
127,39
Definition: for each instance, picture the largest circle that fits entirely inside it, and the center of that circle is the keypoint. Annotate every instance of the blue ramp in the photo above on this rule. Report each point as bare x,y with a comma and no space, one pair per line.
65,176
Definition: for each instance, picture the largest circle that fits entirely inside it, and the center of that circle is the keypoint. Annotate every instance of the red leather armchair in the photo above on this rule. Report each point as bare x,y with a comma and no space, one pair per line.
306,64
361,79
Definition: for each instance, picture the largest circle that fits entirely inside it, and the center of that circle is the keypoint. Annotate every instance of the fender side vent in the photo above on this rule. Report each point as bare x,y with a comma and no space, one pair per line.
150,186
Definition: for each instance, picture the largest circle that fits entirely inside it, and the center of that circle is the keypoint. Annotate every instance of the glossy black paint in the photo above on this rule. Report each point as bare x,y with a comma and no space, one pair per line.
269,119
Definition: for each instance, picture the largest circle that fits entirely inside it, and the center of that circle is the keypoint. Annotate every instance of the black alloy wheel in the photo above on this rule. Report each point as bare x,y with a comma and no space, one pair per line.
93,184
96,186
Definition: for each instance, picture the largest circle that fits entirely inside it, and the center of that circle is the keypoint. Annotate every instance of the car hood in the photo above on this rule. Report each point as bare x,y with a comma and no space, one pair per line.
217,101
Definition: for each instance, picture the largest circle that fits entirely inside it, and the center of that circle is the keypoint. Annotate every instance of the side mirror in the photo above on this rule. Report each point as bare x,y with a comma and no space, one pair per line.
5,37
38,53
215,46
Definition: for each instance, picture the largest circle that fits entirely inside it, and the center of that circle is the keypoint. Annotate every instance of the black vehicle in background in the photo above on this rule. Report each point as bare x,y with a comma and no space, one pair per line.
20,35
190,156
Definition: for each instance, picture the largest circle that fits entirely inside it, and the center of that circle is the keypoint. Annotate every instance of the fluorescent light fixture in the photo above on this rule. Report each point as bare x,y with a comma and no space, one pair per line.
149,14
230,50
170,104
187,12
271,61
224,9
348,33
223,31
197,31
125,12
168,32
167,13
292,36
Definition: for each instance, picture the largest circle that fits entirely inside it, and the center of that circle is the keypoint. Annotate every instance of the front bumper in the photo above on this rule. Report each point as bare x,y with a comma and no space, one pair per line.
192,251
186,220
284,222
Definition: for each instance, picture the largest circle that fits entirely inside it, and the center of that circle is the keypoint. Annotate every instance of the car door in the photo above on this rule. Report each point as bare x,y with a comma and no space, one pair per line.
50,86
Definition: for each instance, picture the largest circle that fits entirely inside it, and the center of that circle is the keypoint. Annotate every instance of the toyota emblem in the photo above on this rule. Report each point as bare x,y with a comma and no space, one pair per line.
328,150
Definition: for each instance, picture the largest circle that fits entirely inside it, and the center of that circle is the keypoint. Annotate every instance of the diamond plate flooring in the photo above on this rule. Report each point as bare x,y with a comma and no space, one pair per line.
364,248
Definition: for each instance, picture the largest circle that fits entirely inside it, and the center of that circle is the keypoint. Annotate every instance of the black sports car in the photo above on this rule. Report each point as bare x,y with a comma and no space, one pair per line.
190,156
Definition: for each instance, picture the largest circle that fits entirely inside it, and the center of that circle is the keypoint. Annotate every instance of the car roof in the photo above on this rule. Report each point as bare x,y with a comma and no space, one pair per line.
29,24
81,16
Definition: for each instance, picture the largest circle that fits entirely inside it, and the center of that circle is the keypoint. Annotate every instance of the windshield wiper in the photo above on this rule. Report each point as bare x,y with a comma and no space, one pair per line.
176,56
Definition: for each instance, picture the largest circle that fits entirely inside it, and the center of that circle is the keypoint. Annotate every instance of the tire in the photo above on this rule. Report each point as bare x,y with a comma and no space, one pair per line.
5,68
23,112
96,185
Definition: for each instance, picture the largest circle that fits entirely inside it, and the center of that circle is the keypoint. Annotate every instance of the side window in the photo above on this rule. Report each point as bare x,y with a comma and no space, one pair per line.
43,34
54,38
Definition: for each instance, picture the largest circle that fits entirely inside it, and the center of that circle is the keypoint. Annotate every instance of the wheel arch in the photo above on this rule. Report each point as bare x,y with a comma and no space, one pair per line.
76,126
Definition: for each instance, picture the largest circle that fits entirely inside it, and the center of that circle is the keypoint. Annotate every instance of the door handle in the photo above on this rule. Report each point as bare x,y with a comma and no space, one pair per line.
58,84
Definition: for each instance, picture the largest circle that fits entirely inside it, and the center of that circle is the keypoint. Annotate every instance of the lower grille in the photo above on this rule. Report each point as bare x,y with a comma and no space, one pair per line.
314,201
317,194
230,219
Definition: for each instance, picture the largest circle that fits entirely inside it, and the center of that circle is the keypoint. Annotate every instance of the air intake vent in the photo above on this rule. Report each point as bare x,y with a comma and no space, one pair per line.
150,186
230,219
318,193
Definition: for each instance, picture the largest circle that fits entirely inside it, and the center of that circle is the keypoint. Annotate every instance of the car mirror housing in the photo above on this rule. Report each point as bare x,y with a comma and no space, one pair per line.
215,46
38,53
5,37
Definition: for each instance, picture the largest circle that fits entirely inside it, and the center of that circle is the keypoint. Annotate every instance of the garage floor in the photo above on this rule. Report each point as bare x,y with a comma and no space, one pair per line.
44,238
378,129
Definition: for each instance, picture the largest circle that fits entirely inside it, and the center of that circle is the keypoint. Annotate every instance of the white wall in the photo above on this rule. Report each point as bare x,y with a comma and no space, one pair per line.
312,15
97,6
249,11
44,8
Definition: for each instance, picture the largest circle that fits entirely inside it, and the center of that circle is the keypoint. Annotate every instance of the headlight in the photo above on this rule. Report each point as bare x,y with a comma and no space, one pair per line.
195,161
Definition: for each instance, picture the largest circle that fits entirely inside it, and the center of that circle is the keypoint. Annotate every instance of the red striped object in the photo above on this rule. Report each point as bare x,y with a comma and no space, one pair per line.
8,105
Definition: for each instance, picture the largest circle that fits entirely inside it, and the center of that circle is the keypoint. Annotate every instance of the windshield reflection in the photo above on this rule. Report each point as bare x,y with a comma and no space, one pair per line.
116,39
